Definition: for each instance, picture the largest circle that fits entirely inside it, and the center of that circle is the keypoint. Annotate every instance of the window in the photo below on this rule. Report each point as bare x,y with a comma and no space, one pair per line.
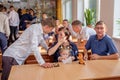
92,4
80,10
116,32
82,5
67,9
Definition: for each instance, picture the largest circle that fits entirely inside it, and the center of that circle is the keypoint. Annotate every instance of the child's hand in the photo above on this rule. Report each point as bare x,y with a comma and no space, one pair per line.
73,58
61,58
61,37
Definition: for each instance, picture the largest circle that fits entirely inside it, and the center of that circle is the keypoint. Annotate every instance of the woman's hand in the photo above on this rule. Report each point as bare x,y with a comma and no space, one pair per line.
61,38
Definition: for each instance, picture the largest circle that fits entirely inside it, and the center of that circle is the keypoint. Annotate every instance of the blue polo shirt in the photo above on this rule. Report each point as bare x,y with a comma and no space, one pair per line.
74,51
104,46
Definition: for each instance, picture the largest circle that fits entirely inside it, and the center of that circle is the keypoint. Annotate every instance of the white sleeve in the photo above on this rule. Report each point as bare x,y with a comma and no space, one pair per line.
18,20
72,32
44,44
7,28
85,34
35,49
9,15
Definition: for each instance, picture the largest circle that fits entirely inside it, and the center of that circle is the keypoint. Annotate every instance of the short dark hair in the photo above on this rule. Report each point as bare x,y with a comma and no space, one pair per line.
44,13
66,31
5,8
11,6
61,28
48,21
1,7
100,23
76,22
65,20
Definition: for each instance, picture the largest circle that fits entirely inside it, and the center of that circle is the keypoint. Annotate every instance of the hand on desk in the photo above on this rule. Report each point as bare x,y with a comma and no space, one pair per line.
94,57
47,65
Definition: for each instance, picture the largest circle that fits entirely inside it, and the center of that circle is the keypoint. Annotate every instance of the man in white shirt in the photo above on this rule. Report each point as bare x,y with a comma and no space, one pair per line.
82,33
26,44
14,23
68,26
4,29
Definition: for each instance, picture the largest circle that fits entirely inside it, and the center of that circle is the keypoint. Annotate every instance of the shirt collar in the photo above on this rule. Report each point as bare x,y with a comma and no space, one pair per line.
102,37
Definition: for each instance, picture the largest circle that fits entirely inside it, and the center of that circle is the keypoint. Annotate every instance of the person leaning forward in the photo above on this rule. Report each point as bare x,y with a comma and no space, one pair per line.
27,43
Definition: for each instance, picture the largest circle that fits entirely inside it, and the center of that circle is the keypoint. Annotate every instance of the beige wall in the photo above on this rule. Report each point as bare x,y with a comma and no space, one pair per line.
74,9
106,14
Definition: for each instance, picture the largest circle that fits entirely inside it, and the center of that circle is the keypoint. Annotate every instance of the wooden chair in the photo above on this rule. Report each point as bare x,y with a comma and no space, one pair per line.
81,46
32,60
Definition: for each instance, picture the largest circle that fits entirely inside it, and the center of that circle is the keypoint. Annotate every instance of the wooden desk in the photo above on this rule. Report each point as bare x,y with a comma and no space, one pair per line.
32,60
94,69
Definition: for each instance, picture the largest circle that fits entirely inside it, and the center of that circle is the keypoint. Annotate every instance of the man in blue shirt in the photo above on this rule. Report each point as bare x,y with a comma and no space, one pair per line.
101,45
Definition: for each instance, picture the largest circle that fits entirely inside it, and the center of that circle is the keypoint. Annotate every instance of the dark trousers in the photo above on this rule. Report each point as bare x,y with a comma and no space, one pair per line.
13,31
7,63
3,42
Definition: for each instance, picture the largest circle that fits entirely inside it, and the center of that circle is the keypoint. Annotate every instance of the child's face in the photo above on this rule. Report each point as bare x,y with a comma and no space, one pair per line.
64,54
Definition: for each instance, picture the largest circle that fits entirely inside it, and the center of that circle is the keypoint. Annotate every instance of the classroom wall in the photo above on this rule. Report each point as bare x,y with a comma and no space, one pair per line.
107,14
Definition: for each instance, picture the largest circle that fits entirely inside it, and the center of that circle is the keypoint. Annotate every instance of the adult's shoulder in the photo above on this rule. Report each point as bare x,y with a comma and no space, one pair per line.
35,28
37,25
93,36
3,15
107,37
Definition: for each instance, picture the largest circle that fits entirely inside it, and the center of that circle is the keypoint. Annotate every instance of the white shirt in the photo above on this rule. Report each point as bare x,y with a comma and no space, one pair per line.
71,30
85,33
4,24
28,43
14,18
